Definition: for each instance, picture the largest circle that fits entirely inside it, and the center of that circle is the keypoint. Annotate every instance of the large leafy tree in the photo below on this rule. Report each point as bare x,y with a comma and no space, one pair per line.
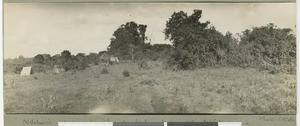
127,39
196,44
65,55
38,59
66,60
80,61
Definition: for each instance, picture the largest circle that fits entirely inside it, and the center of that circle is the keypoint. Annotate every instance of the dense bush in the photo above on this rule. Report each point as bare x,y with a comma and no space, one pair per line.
81,64
71,62
38,68
155,52
126,73
104,71
143,65
69,65
81,61
17,69
92,58
267,48
14,66
182,59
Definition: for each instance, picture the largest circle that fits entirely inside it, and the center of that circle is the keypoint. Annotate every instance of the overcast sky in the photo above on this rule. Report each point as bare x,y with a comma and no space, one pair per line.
31,29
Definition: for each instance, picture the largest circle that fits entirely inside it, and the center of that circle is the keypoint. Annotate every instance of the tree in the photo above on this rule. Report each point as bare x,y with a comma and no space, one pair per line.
55,59
101,52
66,60
93,58
38,59
195,43
70,64
127,39
80,61
47,57
142,31
80,56
66,55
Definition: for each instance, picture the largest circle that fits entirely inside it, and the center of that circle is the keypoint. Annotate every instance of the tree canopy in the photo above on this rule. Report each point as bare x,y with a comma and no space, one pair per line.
38,59
196,43
127,39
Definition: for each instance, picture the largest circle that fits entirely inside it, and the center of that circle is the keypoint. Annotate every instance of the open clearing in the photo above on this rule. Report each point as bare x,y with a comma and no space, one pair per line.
206,90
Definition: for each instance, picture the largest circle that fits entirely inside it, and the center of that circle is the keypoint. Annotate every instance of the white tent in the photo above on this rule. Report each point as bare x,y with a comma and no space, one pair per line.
26,71
58,69
117,60
114,59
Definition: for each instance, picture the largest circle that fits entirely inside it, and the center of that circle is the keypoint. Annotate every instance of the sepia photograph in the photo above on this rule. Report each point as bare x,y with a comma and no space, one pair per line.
173,58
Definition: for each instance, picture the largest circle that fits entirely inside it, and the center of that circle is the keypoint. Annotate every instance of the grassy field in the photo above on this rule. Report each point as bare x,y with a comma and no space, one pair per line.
155,90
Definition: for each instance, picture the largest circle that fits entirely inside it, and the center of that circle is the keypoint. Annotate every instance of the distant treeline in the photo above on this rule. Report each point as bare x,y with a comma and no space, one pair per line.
46,62
195,45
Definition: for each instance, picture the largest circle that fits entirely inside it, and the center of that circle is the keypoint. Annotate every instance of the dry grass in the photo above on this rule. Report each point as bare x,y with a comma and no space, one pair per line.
153,90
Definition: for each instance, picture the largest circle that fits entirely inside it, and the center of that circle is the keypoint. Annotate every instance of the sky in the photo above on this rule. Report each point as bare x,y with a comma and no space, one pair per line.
47,28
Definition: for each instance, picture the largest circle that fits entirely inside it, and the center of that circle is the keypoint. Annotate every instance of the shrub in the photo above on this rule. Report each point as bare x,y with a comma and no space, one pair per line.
168,66
143,65
80,61
274,71
38,68
96,63
181,59
104,71
149,82
81,65
15,65
262,48
17,69
126,73
69,65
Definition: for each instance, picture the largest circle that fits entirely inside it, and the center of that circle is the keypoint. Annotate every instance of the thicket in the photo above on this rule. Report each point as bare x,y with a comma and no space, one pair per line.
267,48
197,44
15,65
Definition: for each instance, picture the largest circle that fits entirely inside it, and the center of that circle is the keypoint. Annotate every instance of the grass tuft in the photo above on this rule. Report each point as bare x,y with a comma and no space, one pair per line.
126,73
